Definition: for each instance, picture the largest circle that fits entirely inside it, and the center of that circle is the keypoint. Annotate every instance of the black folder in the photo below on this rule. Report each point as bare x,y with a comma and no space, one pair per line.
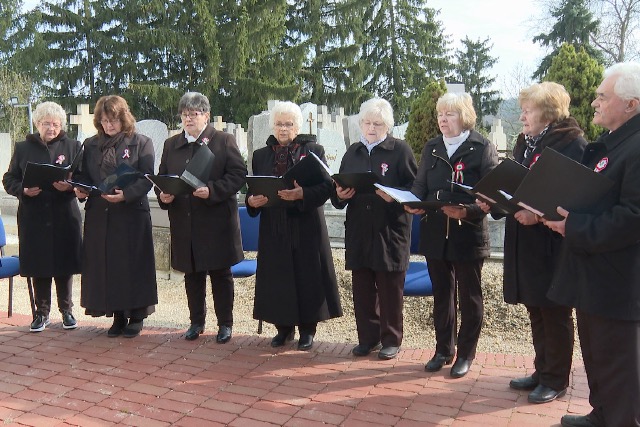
195,175
556,180
308,172
504,178
123,176
43,175
269,186
407,198
362,182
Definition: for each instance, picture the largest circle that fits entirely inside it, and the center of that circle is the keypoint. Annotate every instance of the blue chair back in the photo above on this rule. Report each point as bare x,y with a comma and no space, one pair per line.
3,236
415,234
417,281
249,227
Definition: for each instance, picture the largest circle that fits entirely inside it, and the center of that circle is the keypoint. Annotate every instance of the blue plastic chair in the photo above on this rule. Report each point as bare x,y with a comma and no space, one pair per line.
10,267
249,227
417,282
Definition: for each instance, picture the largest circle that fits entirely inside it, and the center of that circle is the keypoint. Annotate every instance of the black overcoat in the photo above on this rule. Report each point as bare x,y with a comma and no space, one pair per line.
205,234
50,238
531,251
296,280
378,233
463,240
119,272
598,271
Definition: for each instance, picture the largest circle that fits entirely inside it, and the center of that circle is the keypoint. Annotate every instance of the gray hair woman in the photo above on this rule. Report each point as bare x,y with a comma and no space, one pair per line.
377,231
208,214
48,218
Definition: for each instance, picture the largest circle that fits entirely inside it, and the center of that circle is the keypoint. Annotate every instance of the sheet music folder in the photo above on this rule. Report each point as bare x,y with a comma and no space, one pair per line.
195,175
407,198
360,181
43,175
308,172
556,180
123,176
505,177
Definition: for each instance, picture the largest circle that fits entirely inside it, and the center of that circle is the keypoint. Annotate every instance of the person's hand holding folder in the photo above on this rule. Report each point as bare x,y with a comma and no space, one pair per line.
345,193
558,226
296,193
166,198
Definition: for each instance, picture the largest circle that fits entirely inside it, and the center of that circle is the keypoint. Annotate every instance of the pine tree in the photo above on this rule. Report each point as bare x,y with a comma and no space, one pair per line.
9,19
423,121
473,61
575,25
405,46
580,74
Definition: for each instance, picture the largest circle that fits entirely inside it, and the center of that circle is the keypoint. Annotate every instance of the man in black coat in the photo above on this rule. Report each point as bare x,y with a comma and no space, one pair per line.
598,272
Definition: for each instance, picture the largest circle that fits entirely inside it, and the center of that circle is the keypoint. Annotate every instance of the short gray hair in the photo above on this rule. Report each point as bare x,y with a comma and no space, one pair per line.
286,107
194,101
49,109
377,107
627,85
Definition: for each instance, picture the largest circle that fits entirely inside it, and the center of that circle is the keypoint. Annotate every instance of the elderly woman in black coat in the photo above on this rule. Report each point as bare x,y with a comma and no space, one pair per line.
118,265
205,230
531,250
377,231
454,239
295,281
48,218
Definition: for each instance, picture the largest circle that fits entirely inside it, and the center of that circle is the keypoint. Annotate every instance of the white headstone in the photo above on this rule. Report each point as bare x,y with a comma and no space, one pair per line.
334,147
259,131
309,118
158,132
84,121
399,131
497,135
353,125
6,150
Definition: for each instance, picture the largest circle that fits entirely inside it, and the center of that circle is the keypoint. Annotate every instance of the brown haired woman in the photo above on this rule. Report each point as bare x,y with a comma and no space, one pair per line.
118,274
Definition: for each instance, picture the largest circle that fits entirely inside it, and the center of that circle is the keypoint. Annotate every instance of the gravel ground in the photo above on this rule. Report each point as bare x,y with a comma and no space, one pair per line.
506,327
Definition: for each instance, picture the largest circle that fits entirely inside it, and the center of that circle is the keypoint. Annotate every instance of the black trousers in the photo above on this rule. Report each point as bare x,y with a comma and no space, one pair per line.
552,332
42,293
446,278
377,304
611,355
223,295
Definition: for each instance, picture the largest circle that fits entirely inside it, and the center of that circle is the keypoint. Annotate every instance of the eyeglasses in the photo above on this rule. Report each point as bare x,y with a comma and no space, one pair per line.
287,125
376,125
111,122
192,115
50,125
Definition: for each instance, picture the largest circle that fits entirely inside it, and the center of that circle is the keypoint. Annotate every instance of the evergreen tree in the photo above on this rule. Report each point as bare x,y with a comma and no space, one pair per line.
575,25
330,34
423,120
14,120
405,46
473,62
9,16
580,74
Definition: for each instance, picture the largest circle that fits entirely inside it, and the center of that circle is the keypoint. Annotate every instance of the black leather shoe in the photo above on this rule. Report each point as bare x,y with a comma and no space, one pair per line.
437,362
193,332
526,383
133,329
576,421
544,394
305,342
387,353
282,337
364,349
460,367
119,323
224,334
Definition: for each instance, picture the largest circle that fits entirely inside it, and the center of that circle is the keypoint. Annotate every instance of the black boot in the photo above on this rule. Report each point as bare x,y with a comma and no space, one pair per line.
119,323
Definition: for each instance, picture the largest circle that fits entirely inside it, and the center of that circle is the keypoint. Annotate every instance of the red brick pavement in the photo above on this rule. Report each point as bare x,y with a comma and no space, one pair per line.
82,377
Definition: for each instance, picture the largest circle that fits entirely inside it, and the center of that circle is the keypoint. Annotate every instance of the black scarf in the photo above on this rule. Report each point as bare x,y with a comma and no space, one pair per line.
108,146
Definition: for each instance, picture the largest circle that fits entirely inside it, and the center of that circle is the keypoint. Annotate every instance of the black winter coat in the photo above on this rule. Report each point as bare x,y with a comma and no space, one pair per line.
531,251
119,272
205,234
378,233
463,240
49,223
598,270
296,281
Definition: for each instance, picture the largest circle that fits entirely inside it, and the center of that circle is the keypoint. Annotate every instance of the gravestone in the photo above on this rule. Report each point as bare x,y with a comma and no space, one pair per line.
497,136
6,150
334,147
399,131
158,132
259,131
309,118
84,121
